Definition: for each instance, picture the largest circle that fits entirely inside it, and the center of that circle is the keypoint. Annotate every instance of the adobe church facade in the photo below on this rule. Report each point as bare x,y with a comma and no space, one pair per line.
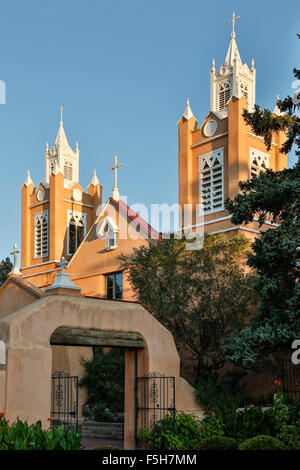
60,219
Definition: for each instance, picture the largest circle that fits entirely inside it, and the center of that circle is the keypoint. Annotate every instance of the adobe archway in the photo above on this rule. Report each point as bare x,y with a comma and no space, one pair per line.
28,332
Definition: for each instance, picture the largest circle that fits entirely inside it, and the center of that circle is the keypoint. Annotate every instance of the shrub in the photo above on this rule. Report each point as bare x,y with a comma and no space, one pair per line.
218,443
262,443
104,378
106,448
287,421
101,413
187,433
22,436
239,424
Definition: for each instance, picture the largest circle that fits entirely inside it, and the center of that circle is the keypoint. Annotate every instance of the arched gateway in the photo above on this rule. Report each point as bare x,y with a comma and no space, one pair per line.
65,318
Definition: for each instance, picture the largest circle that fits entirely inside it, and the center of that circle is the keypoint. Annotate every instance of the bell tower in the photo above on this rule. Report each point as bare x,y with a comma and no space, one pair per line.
215,155
232,79
62,158
56,214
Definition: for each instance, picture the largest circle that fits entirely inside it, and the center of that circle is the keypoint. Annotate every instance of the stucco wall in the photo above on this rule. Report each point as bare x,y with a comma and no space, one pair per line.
27,333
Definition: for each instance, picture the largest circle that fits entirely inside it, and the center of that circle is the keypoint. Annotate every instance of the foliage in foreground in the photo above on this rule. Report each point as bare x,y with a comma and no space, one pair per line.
274,196
22,436
218,443
5,268
225,419
200,295
262,443
104,380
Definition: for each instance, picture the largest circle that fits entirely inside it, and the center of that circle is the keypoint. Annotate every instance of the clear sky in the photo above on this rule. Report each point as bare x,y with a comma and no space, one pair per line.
123,70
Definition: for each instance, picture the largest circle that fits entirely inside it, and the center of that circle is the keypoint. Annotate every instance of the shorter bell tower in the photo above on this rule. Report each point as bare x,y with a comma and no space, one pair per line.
56,214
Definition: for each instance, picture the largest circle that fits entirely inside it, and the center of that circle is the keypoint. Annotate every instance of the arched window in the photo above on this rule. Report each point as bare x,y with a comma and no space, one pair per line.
259,161
41,234
211,181
76,230
244,90
111,239
68,170
224,95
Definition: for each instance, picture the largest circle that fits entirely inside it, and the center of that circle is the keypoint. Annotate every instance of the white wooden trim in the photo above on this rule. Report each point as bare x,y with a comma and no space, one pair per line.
208,140
39,264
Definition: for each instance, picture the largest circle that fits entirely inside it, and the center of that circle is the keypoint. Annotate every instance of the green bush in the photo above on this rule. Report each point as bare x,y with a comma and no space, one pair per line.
287,421
187,433
104,378
262,443
101,413
239,424
106,448
22,436
218,443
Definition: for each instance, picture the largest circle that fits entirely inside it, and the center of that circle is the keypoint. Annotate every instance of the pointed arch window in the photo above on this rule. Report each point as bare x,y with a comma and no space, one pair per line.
76,230
259,161
108,229
224,95
41,234
244,90
68,170
211,184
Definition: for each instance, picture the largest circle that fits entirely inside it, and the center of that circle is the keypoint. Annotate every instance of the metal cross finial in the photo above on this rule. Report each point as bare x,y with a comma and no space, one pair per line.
62,264
115,167
61,112
15,252
233,20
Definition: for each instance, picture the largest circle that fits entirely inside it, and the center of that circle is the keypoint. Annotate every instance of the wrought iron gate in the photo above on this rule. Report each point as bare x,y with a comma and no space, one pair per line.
64,400
291,379
155,401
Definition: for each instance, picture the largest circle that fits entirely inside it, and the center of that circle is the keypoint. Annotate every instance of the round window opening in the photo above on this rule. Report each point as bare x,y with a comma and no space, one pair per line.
210,128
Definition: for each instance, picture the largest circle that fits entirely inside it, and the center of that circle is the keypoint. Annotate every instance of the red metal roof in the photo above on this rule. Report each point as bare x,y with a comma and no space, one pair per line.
139,220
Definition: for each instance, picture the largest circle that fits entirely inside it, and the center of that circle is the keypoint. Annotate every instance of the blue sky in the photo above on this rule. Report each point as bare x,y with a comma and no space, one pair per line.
123,71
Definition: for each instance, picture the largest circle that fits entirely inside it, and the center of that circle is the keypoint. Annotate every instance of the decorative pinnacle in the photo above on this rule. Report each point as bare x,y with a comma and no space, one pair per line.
28,179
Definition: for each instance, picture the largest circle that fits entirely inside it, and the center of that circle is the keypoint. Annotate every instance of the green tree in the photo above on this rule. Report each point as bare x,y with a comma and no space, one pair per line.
276,252
104,378
5,268
201,296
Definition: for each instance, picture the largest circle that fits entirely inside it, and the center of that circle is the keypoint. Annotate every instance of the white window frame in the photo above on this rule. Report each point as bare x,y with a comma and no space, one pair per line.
78,217
68,168
112,229
223,89
262,159
43,218
207,169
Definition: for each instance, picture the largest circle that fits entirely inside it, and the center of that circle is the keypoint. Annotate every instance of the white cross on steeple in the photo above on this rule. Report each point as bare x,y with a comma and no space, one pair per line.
115,193
233,20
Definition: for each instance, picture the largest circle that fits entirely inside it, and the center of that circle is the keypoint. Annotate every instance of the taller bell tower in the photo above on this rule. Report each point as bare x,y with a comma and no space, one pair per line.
222,150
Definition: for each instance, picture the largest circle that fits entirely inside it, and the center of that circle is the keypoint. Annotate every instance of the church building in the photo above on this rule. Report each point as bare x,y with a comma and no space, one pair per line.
60,219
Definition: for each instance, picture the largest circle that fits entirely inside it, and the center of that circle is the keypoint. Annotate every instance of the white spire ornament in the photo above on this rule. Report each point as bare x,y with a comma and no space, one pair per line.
28,180
187,112
95,180
232,79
